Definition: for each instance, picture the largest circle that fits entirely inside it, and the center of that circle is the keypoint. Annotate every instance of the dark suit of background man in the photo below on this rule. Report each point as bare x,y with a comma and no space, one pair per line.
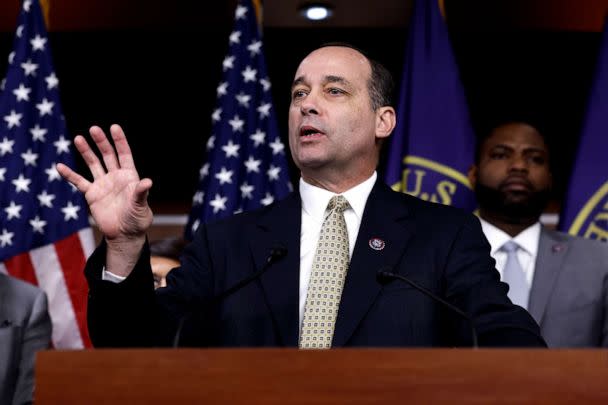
564,279
25,328
338,118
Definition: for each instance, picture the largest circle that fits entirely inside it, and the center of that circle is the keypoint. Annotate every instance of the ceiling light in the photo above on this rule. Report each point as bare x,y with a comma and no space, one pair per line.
316,12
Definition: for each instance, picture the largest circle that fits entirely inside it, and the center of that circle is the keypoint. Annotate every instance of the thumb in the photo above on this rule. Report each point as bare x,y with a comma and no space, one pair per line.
142,190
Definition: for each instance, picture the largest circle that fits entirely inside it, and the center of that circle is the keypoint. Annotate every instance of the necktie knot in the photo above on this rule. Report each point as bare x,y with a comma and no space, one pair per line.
338,203
510,247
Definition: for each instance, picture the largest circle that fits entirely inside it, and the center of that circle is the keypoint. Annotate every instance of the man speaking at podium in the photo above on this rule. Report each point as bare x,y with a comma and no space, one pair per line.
302,272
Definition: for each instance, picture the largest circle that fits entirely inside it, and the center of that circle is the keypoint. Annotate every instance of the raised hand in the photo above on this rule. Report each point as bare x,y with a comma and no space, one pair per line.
117,197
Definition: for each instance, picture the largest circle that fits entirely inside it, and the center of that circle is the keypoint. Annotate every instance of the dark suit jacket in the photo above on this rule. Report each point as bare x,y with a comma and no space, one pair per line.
439,247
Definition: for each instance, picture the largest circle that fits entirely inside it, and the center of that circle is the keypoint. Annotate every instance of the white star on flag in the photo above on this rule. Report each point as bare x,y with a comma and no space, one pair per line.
52,173
22,184
38,133
258,137
29,158
45,107
249,74
254,48
70,211
222,89
268,199
217,115
273,172
235,37
51,81
237,124
37,224
62,145
46,199
243,99
218,203
224,176
22,93
264,110
6,238
277,146
13,210
13,119
231,149
228,63
38,43
246,190
252,165
6,146
29,68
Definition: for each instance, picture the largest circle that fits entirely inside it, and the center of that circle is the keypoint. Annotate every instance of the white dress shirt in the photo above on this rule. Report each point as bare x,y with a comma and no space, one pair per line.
527,240
314,203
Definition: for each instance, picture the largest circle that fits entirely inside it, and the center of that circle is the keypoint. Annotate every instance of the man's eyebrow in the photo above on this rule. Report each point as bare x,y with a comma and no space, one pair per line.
297,80
327,79
528,149
336,79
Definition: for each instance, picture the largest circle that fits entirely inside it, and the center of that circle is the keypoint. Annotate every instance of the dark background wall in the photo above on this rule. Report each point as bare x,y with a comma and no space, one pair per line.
159,83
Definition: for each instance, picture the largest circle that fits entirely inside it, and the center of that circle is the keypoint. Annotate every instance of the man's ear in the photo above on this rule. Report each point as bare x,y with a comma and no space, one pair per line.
385,121
472,175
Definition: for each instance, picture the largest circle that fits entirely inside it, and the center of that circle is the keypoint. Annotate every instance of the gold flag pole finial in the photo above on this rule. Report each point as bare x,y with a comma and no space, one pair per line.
442,8
46,7
257,4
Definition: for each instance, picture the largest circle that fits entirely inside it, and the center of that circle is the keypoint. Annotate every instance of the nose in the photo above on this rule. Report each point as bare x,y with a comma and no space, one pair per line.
309,105
519,163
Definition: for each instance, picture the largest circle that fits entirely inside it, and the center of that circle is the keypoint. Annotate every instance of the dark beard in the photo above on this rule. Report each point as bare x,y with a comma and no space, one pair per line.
512,207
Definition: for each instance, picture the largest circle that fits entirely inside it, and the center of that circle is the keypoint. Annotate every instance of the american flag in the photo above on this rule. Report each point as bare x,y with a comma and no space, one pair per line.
45,236
246,163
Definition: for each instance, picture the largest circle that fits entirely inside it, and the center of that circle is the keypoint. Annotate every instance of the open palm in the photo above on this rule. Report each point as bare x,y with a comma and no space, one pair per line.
117,197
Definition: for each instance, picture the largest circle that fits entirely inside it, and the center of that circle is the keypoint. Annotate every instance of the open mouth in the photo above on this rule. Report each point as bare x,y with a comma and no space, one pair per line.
308,132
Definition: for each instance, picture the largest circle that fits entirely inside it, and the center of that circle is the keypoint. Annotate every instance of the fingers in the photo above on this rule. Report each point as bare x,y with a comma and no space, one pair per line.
89,157
125,157
77,180
141,191
104,146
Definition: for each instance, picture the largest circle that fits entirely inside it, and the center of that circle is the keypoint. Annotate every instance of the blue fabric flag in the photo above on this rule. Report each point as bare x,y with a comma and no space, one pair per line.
585,208
246,164
45,235
433,144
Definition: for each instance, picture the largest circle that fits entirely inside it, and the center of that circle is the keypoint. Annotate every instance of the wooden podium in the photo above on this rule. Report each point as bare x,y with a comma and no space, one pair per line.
290,376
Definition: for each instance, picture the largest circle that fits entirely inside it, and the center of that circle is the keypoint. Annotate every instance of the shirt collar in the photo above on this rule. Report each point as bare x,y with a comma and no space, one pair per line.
315,199
527,239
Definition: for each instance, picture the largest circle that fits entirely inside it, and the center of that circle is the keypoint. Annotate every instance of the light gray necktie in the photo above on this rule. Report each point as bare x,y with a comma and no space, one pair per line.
329,268
514,275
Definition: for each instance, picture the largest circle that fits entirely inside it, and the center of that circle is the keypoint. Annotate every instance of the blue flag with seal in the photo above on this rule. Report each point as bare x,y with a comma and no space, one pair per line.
433,144
246,163
585,208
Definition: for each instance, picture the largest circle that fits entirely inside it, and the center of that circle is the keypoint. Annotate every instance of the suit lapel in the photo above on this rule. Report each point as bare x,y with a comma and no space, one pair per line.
551,251
384,219
281,226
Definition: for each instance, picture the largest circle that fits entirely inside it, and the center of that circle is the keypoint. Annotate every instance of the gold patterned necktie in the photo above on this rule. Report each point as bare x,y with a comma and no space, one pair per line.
326,279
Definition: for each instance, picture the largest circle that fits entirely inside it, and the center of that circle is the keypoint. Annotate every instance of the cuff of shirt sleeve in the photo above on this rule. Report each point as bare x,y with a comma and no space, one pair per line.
111,277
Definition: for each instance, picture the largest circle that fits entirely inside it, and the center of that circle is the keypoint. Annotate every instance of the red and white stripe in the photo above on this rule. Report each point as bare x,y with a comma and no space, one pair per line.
58,270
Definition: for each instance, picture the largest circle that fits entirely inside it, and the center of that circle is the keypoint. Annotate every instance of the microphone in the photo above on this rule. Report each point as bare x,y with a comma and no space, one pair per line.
383,277
277,252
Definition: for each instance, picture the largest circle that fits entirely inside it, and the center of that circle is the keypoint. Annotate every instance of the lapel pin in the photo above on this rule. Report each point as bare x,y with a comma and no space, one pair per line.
558,248
376,243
